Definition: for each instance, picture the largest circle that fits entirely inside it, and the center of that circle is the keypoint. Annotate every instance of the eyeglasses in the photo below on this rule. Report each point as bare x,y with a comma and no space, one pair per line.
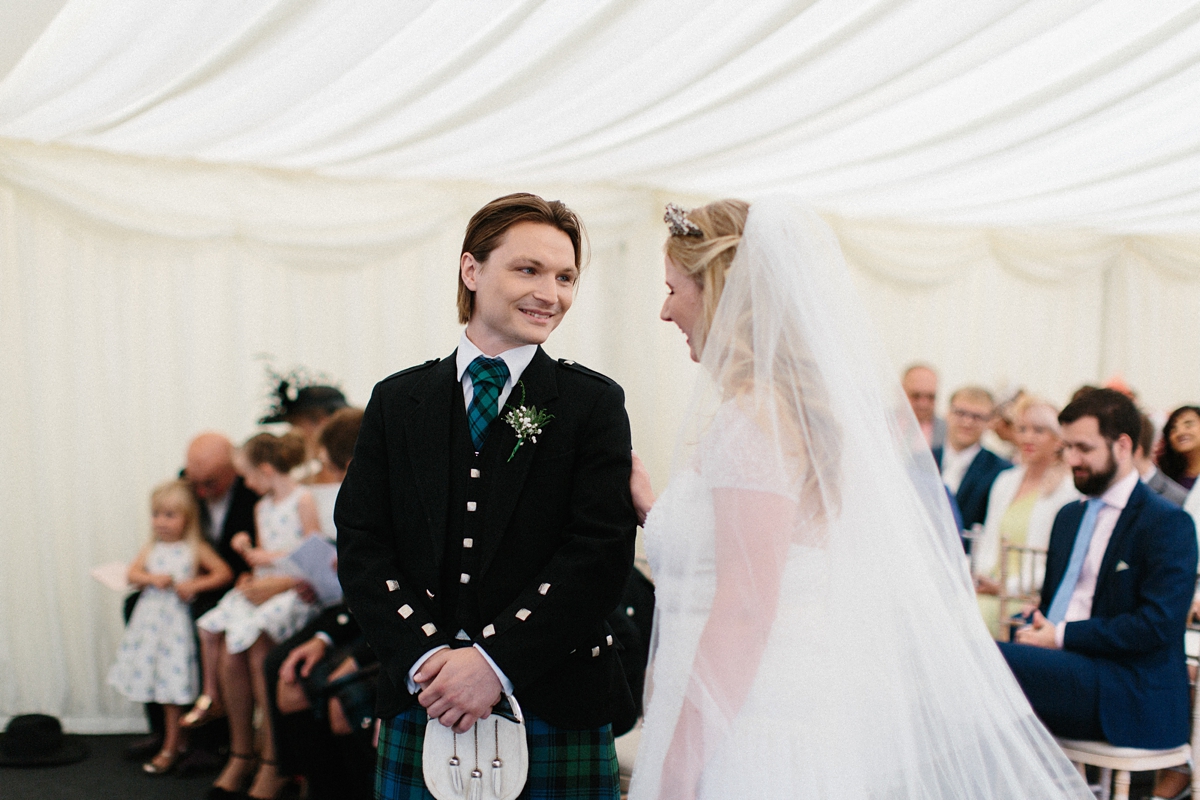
971,416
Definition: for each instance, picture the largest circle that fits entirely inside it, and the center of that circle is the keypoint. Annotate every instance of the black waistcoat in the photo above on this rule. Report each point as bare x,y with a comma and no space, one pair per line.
471,476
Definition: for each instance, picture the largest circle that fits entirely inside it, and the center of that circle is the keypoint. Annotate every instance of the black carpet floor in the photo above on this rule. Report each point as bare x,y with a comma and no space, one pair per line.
106,775
103,775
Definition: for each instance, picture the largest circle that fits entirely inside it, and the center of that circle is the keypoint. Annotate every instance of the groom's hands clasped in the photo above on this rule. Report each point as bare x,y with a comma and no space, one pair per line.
458,687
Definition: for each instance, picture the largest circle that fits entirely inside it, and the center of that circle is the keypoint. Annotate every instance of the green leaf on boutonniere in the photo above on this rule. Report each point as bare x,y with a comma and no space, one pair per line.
527,421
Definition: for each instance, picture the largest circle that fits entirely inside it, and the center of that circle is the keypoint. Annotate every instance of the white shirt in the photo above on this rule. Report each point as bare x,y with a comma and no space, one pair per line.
1114,500
955,464
516,359
218,510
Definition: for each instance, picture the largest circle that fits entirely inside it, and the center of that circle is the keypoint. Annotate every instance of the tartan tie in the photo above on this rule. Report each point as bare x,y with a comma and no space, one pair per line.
1087,526
488,376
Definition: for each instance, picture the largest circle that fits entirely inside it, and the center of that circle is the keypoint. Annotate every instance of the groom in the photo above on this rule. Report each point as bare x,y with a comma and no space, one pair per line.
480,560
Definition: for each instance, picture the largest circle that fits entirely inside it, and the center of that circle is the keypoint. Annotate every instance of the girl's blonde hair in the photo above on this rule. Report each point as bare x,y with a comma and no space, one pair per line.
178,496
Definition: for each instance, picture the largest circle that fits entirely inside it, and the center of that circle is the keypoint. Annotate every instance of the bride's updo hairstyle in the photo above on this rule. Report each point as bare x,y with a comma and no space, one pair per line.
705,249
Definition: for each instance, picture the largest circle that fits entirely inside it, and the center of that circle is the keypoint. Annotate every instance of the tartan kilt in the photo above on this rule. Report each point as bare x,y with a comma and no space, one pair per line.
563,764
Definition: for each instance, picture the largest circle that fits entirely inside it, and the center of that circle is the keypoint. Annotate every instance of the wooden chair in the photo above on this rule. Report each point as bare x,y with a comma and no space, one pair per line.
1024,586
1124,760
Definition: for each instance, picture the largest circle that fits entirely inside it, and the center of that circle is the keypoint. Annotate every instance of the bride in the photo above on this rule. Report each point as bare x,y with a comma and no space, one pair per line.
816,633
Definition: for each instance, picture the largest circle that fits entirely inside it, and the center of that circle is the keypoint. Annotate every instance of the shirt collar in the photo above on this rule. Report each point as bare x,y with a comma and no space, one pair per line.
971,451
1117,495
517,359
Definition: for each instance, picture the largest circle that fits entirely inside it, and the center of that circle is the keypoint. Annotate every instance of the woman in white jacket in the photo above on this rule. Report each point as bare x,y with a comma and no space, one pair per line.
1022,505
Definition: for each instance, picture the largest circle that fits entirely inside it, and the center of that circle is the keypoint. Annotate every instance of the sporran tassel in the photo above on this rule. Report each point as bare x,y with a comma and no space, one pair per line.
497,766
455,774
476,775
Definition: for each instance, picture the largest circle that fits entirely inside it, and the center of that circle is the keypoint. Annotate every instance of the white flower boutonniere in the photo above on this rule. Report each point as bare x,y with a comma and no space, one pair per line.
527,421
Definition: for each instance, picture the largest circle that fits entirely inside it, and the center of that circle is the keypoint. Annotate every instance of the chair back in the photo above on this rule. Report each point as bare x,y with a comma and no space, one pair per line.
1022,570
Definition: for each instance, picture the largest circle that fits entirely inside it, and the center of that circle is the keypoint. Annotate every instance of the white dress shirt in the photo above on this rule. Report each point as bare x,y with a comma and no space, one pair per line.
218,510
955,464
517,360
1115,498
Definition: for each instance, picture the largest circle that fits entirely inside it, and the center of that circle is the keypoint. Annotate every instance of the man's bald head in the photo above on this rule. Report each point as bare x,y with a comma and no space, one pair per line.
209,466
920,385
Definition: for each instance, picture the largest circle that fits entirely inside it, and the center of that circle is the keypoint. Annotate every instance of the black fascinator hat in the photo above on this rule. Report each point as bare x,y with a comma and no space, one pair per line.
37,740
298,392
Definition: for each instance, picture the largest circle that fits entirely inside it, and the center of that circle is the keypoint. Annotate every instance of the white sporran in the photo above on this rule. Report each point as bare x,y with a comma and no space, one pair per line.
488,762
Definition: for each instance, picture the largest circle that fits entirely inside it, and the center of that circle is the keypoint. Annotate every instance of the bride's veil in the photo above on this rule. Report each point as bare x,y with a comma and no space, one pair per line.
854,662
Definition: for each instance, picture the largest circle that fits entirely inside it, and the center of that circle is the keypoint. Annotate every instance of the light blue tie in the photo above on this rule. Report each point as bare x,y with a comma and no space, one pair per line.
1087,526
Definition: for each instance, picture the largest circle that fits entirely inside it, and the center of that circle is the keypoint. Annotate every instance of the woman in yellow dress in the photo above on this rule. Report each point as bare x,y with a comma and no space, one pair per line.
1021,508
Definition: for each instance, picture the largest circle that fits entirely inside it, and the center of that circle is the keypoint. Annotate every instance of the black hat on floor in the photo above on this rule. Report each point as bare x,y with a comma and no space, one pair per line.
37,740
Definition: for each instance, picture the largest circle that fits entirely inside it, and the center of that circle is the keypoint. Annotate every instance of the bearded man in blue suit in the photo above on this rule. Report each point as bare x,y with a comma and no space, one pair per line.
1103,656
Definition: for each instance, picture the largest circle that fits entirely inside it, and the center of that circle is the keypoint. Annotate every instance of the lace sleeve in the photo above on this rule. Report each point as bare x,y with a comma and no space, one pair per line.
738,454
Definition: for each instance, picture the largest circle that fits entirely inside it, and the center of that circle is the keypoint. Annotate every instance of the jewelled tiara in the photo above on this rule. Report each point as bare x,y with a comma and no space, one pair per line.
680,225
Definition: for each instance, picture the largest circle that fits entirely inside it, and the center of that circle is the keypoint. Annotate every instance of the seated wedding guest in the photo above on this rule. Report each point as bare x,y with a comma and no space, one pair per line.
1022,506
1152,476
1103,657
226,509
967,467
920,386
335,447
1180,457
305,405
321,717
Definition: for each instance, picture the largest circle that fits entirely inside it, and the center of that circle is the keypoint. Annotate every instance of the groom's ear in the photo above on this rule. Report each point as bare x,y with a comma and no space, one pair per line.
468,270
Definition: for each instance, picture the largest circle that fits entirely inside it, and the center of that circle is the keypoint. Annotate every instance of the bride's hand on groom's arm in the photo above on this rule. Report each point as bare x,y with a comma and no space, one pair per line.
458,687
640,488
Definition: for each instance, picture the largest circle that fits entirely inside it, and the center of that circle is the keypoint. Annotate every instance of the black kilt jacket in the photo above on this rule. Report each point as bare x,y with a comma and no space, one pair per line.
527,555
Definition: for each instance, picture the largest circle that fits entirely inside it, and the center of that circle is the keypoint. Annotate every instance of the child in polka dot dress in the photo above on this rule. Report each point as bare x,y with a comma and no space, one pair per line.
157,661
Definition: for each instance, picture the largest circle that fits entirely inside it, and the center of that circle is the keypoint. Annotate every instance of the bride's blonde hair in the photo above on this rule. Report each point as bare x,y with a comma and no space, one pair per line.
706,258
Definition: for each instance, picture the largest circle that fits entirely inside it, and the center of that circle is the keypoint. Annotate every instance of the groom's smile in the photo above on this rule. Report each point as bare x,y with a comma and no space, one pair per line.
522,290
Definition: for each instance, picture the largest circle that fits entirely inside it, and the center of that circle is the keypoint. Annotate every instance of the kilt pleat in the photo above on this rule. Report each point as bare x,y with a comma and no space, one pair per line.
563,764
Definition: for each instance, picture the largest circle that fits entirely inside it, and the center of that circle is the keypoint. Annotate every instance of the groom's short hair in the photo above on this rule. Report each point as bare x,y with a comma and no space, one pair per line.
488,226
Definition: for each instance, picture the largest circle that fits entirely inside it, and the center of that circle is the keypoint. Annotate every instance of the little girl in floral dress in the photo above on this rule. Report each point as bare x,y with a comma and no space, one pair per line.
157,661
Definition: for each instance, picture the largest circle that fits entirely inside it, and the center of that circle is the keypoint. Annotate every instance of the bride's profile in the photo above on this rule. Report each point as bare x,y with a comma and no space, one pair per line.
815,630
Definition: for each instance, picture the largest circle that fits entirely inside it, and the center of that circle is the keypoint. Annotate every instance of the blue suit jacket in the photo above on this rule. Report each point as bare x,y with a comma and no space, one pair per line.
1139,612
972,494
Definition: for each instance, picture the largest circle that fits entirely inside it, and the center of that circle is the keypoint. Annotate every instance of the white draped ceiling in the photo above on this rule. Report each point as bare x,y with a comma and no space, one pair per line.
187,185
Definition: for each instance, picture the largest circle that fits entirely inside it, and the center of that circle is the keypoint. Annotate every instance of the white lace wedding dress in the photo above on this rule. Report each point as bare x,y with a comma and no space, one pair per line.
816,633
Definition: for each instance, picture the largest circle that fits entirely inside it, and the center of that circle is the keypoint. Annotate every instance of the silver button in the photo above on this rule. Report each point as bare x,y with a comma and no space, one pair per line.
608,639
429,628
489,630
464,578
595,652
468,543
405,611
393,585
429,593
343,619
470,505
523,614
629,611
474,473
545,587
